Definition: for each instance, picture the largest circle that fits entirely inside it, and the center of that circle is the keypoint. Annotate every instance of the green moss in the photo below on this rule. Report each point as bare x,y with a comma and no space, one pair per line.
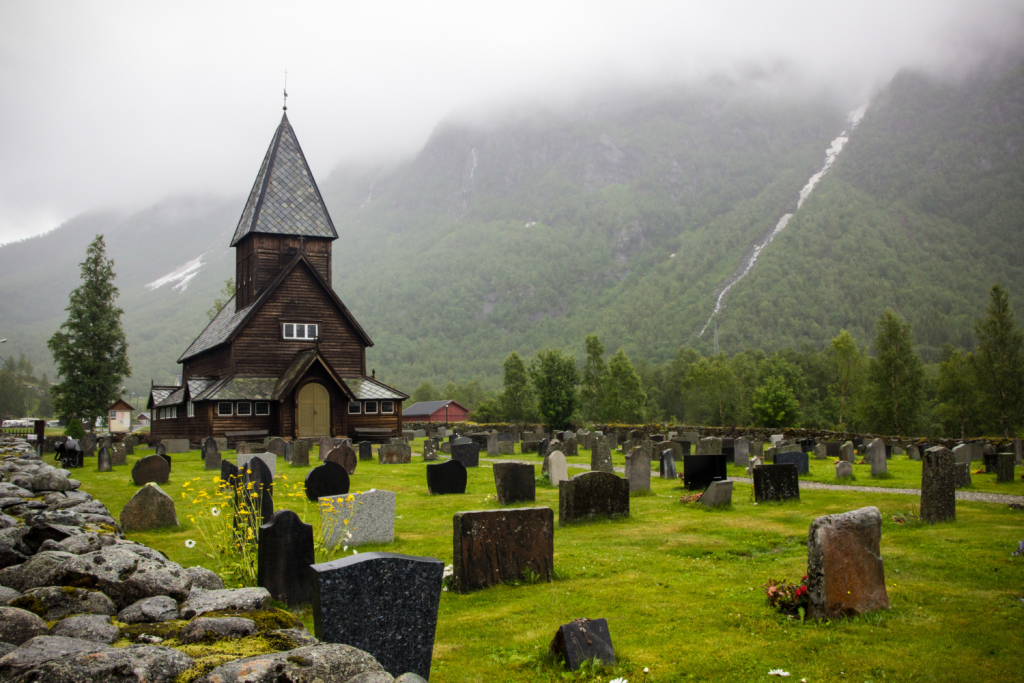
29,603
208,656
164,629
270,619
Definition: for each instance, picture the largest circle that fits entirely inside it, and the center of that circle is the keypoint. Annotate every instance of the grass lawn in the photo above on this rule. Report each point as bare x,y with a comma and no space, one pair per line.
681,585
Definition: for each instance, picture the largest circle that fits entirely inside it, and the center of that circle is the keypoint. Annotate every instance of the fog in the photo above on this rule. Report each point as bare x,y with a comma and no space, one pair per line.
119,104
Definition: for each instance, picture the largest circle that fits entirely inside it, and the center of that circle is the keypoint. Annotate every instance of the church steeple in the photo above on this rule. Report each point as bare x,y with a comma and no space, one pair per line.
284,213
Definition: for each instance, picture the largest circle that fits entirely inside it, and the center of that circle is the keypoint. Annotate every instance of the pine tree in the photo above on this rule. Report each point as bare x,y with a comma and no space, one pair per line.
90,348
895,378
593,383
554,376
624,396
999,362
515,399
848,365
957,392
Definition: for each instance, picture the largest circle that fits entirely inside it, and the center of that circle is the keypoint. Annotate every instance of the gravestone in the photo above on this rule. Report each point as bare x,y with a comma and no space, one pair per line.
700,470
820,451
876,456
408,434
776,438
268,459
88,444
756,461
592,494
674,446
151,469
160,449
583,640
845,574
668,465
638,469
741,451
542,451
370,516
515,482
209,446
776,482
938,486
222,442
118,455
446,477
300,453
757,449
492,444
914,453
382,603
832,449
175,445
570,446
806,445
710,445
365,450
601,456
466,453
326,445
505,436
718,494
257,482
211,459
1004,467
129,445
344,456
506,448
962,474
797,458
103,460
557,469
276,445
460,440
229,473
497,546
149,508
847,452
962,454
394,454
283,558
844,470
243,448
728,450
419,434
329,479
429,450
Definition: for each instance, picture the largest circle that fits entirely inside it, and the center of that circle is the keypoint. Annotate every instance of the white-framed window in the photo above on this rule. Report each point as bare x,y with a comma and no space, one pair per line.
191,409
224,408
168,413
370,407
387,407
306,331
353,408
262,408
243,408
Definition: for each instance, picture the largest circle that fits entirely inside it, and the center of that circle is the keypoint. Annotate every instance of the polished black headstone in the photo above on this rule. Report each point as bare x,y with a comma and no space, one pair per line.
365,450
449,476
329,479
582,640
261,491
466,453
800,460
228,472
515,482
284,556
776,482
700,470
382,603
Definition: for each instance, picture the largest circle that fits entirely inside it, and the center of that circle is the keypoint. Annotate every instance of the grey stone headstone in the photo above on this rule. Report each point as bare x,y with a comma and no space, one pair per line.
492,445
175,446
328,480
638,470
288,451
756,461
394,454
269,459
876,456
844,550
243,448
668,464
820,451
962,473
515,482
592,494
913,452
209,444
962,453
1018,451
466,453
847,453
408,434
776,438
938,486
757,449
495,546
382,603
283,558
419,433
718,494
711,445
300,453
365,450
276,446
776,482
149,508
741,451
506,448
601,455
118,455
429,450
370,516
461,440
211,459
558,470
583,640
844,470
1004,467
797,458
129,445
570,446
103,460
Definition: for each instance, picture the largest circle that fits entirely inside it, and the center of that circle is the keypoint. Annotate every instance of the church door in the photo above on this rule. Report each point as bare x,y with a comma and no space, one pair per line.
314,410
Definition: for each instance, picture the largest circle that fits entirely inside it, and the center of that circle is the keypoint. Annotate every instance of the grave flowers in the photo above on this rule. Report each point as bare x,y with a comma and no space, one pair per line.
788,598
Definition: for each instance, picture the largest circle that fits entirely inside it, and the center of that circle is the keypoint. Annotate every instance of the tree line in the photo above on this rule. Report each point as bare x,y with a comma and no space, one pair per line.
886,388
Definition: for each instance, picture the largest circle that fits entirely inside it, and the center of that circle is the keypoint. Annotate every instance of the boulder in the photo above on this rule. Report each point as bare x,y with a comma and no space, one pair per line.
70,660
94,627
40,570
51,479
201,601
845,574
324,663
205,629
125,574
87,543
205,578
290,638
57,602
7,594
158,608
19,625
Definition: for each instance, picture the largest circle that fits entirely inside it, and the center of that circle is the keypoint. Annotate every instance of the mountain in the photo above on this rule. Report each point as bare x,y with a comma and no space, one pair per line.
627,215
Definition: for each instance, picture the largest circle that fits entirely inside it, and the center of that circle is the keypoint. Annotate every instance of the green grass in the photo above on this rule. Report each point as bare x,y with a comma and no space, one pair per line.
681,585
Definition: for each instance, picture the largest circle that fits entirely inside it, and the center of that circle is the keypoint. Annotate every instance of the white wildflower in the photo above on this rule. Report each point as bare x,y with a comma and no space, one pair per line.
778,672
190,543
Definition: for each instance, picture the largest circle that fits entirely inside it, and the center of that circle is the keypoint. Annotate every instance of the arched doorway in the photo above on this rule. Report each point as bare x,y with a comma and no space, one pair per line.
314,408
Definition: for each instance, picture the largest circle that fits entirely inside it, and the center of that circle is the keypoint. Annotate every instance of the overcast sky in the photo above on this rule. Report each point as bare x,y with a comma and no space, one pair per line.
119,104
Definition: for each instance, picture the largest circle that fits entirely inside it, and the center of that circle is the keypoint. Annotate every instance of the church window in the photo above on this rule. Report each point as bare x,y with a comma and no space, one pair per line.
224,409
370,407
301,331
243,408
262,408
353,408
387,407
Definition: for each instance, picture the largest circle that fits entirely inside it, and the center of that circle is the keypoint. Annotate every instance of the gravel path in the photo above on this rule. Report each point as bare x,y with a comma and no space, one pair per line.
979,496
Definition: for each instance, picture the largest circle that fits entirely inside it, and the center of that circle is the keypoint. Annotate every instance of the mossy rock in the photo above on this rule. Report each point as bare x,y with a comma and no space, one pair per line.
162,629
208,656
29,603
269,619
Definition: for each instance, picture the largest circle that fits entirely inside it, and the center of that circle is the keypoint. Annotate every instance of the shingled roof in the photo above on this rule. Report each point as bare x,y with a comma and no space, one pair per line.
285,199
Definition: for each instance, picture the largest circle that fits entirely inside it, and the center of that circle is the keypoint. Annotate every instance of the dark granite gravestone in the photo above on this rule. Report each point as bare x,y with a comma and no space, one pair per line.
209,444
729,450
284,556
938,486
466,453
129,445
494,546
449,476
229,473
161,449
858,443
801,460
515,482
583,640
776,482
382,603
88,444
117,455
329,479
700,470
211,456
261,491
962,474
152,468
103,460
807,445
480,439
344,456
1004,467
832,449
365,450
166,458
592,494
300,453
668,464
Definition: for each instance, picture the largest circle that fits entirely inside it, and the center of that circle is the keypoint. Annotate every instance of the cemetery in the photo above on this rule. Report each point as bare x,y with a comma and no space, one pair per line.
548,570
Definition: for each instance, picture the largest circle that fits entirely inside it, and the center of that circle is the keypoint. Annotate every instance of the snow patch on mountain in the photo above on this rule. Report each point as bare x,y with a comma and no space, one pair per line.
181,275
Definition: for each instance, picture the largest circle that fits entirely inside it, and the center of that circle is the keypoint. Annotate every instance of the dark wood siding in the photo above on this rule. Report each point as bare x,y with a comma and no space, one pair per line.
214,363
393,421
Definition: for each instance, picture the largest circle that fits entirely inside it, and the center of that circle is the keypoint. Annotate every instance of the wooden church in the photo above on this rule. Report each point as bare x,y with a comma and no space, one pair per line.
284,357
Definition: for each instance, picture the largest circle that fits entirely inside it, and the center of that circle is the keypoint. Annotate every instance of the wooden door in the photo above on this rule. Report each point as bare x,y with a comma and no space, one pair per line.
314,410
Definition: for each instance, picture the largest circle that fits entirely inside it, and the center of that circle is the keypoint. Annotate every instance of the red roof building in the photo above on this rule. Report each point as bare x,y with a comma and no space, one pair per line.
435,411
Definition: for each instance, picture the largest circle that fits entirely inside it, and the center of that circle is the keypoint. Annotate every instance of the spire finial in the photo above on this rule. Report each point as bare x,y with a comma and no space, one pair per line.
285,107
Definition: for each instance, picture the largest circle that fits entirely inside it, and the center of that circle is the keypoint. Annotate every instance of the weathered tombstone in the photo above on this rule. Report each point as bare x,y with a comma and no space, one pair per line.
467,453
365,450
938,486
408,434
557,469
832,449
728,450
429,450
88,444
515,482
151,469
1004,467
797,458
962,474
492,444
495,546
460,440
284,556
962,453
118,455
776,438
583,640
674,446
845,574
344,456
276,446
876,456
300,453
506,448
243,448
638,470
700,470
211,459
776,482
394,454
757,449
419,434
103,460
209,446
668,464
1018,451
570,446
149,508
755,462
129,445
844,470
820,451
718,494
741,451
710,445
325,446
329,479
257,483
160,449
988,456
592,494
914,453
358,518
382,603
176,445
847,452
268,459
446,477
601,456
